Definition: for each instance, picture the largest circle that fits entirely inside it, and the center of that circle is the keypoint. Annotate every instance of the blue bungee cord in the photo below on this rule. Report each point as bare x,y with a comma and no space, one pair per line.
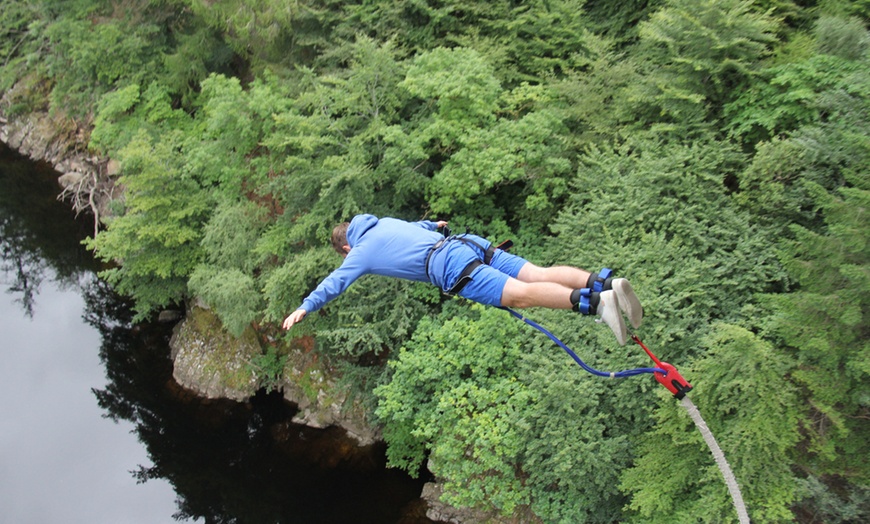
611,374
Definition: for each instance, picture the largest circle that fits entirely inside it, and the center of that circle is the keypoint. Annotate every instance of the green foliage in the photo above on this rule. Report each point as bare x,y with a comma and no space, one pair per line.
269,369
701,53
366,89
231,234
787,97
130,111
526,153
686,144
827,151
594,100
374,316
847,39
740,390
493,160
157,239
454,392
580,432
229,129
461,84
88,59
84,49
534,40
645,210
825,322
297,277
619,20
525,41
842,506
770,186
846,8
269,33
343,147
18,25
197,52
231,293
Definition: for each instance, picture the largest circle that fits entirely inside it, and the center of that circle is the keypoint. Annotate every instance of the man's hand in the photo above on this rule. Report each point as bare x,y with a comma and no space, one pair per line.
294,317
441,223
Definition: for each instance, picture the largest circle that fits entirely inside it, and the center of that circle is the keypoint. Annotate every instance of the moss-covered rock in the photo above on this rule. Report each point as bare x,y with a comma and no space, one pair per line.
212,362
313,387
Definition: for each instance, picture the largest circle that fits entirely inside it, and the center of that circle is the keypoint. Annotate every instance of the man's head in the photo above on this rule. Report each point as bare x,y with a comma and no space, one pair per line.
339,238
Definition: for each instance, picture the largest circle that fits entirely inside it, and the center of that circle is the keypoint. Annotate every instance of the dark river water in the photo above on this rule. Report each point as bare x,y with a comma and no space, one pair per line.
94,430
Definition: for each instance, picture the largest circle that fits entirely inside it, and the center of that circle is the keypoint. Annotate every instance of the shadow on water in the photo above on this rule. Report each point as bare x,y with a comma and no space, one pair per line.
227,461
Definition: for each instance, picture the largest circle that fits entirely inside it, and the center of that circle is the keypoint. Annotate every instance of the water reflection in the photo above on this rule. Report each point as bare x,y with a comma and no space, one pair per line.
226,461
61,462
25,268
232,462
37,233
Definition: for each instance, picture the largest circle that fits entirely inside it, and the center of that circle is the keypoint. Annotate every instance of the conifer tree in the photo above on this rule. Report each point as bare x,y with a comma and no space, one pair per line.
741,388
701,52
156,240
825,322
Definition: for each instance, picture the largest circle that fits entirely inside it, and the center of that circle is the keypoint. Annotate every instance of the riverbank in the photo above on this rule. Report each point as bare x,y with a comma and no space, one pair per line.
207,361
201,346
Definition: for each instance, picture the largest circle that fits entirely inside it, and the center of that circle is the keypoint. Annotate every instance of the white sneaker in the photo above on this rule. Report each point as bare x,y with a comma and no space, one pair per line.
628,301
608,310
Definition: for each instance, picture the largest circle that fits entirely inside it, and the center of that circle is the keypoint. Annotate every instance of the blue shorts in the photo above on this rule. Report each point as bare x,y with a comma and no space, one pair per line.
487,282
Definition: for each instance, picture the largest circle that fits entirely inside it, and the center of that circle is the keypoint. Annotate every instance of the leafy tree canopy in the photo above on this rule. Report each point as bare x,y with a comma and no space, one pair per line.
714,152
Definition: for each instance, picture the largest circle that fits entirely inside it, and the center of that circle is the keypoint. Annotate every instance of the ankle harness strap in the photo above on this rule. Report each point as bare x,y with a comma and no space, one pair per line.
600,281
586,300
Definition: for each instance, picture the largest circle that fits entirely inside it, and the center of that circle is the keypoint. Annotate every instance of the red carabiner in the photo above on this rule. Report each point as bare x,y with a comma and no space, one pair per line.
671,378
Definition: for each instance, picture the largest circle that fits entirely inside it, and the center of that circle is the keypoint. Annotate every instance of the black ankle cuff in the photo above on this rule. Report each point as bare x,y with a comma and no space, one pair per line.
585,301
600,282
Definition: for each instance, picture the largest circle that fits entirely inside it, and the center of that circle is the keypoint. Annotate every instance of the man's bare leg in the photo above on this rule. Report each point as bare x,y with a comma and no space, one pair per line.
519,294
571,277
576,278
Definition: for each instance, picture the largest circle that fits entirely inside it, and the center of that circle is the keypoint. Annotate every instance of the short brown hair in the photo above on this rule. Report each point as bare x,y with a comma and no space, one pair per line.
339,237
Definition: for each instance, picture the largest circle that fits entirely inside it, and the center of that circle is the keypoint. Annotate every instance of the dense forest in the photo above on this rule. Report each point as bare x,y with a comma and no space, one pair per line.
715,152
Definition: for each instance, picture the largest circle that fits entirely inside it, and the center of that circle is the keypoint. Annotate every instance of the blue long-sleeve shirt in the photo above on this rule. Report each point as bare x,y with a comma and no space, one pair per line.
386,246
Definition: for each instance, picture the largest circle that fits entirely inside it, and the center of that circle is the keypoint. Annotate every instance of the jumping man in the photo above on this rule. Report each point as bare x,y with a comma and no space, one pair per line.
471,267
